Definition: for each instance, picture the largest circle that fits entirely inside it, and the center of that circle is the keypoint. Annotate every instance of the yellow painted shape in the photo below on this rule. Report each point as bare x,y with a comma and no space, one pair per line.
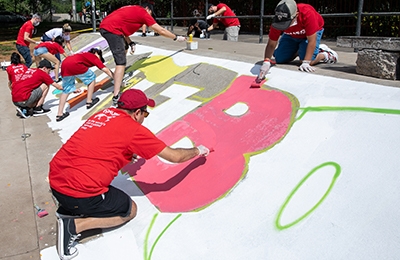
158,69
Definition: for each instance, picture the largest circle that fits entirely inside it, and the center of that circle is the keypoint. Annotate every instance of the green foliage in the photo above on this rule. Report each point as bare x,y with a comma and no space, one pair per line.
387,26
334,26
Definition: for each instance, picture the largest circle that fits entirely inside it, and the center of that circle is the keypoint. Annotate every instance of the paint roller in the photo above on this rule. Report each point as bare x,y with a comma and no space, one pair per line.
41,212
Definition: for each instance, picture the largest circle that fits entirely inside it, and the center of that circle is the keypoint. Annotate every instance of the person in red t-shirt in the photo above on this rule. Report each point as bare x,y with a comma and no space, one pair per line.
29,92
144,26
16,70
77,66
82,170
48,50
232,25
24,38
302,27
116,29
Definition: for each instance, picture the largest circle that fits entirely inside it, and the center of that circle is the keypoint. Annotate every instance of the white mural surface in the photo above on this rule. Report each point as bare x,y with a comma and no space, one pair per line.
328,189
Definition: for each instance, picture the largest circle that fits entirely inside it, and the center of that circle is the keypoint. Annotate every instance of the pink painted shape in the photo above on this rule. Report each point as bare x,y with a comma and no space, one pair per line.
197,183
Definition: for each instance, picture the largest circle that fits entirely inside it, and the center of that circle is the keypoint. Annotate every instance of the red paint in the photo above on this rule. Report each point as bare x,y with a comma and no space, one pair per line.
196,184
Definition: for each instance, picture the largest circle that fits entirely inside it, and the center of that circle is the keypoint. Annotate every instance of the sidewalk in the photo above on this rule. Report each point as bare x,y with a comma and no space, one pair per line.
24,165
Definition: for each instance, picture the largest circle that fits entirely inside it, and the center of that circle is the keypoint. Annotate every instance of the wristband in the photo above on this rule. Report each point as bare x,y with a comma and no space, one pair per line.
132,43
176,37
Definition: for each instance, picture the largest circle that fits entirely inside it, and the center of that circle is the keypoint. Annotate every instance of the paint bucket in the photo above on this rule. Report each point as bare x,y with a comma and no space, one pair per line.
191,45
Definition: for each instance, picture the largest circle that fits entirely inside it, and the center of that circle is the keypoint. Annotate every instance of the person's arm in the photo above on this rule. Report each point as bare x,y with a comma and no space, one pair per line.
131,44
68,43
179,155
57,86
128,40
29,39
270,48
108,72
197,28
306,64
164,32
312,42
220,11
211,27
190,29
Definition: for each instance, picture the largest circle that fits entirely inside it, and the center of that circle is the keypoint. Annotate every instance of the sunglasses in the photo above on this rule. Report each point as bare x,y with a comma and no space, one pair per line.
146,113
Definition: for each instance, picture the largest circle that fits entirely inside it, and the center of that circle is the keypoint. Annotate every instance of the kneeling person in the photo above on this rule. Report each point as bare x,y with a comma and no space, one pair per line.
82,170
29,93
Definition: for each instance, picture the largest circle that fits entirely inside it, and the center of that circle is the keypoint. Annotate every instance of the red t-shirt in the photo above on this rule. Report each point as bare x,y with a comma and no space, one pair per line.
87,163
31,79
309,21
79,63
26,27
227,22
52,47
127,20
15,72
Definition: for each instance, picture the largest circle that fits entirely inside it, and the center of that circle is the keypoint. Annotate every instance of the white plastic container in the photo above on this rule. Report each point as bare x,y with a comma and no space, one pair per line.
191,45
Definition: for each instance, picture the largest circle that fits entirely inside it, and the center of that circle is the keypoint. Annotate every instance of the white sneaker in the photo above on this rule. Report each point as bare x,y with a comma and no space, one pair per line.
330,55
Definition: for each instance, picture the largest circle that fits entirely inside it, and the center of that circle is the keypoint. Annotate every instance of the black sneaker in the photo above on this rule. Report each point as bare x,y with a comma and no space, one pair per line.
40,111
66,237
144,34
115,99
23,112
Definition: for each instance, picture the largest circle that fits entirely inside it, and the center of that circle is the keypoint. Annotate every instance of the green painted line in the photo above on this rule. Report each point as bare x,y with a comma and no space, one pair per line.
281,210
148,257
147,235
360,109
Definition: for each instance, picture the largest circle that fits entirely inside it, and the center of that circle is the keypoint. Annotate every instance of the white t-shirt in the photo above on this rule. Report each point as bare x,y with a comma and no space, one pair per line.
53,33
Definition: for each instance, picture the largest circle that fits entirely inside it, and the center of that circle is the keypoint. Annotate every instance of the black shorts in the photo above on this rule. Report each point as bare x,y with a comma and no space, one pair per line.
110,204
118,46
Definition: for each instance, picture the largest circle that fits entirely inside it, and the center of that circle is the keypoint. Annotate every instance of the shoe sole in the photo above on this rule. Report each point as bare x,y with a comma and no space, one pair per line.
94,102
325,48
41,114
21,114
62,117
60,246
60,233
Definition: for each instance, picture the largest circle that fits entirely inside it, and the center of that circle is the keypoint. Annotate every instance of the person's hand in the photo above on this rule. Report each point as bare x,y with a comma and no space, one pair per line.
180,39
210,16
306,67
203,151
135,158
133,49
264,69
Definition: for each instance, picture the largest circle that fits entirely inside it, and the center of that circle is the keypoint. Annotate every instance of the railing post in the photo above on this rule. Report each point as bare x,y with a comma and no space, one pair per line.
359,17
94,15
261,22
206,12
172,15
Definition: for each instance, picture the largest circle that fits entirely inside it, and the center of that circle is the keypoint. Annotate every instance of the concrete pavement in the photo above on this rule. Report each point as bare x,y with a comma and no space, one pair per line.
25,161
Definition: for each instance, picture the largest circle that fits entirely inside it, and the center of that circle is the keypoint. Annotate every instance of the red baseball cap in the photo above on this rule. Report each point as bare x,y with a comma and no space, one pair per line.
133,99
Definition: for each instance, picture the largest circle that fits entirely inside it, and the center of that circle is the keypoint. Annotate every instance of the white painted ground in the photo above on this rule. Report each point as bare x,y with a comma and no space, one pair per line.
357,220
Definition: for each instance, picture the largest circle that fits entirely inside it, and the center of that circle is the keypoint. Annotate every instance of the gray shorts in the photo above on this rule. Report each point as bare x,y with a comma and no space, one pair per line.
231,33
118,46
36,94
